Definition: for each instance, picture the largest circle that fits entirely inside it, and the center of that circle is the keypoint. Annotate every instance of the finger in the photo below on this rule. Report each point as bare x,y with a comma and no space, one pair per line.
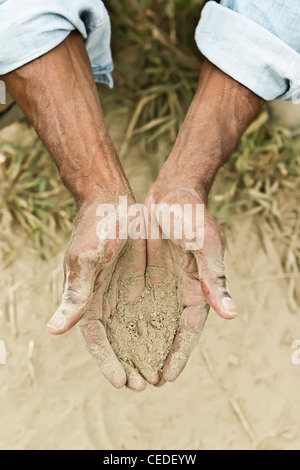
147,371
190,327
159,260
135,381
160,383
106,308
84,289
79,278
156,274
133,266
95,309
211,269
114,293
99,347
110,297
100,304
71,310
158,252
217,294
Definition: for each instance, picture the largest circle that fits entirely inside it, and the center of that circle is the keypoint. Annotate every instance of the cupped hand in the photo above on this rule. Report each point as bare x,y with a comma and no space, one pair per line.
94,251
191,247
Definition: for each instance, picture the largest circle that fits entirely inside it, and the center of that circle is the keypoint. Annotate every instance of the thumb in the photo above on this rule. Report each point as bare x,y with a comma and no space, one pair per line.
211,269
78,289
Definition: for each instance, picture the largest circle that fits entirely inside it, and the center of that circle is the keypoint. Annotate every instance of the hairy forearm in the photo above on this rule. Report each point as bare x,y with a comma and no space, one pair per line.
218,116
58,94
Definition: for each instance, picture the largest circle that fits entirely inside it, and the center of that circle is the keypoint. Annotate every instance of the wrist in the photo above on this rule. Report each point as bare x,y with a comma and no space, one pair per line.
193,164
58,95
100,184
220,112
103,194
105,182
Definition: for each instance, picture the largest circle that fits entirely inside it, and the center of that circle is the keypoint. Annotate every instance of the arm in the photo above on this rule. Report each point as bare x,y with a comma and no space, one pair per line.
255,51
219,114
58,94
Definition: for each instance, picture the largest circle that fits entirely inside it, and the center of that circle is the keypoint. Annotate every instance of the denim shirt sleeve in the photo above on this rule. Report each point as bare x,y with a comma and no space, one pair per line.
255,42
30,28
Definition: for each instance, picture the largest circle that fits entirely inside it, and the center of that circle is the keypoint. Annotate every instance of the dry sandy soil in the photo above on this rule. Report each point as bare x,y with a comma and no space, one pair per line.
240,389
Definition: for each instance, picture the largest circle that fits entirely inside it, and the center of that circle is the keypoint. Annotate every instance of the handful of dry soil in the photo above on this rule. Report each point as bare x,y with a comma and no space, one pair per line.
142,332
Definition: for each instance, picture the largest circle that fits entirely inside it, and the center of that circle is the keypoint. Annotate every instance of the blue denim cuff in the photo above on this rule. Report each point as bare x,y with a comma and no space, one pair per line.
248,52
31,28
103,75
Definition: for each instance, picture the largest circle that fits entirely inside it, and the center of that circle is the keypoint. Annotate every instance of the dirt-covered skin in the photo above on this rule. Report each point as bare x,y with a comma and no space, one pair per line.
142,332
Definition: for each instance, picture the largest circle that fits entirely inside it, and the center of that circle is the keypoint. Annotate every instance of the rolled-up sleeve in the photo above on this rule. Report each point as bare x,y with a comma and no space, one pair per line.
255,42
31,28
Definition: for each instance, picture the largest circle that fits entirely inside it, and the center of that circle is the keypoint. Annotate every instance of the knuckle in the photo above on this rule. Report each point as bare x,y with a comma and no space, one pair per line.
222,282
73,297
73,256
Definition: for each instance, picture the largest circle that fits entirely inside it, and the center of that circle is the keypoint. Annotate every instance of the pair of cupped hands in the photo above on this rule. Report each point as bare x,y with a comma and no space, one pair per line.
93,266
58,95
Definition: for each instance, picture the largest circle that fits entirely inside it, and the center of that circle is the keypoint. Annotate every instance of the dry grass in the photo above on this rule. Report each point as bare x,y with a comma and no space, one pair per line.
33,201
264,167
263,178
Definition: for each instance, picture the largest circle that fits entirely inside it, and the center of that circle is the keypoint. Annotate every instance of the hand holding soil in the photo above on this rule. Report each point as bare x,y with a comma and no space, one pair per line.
92,268
96,270
200,273
154,334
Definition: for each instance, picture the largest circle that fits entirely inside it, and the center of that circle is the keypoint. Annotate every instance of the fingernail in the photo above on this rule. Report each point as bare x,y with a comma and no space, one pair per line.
57,322
229,307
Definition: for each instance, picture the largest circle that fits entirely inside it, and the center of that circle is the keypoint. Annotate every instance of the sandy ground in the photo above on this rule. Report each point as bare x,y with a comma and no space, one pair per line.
240,389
